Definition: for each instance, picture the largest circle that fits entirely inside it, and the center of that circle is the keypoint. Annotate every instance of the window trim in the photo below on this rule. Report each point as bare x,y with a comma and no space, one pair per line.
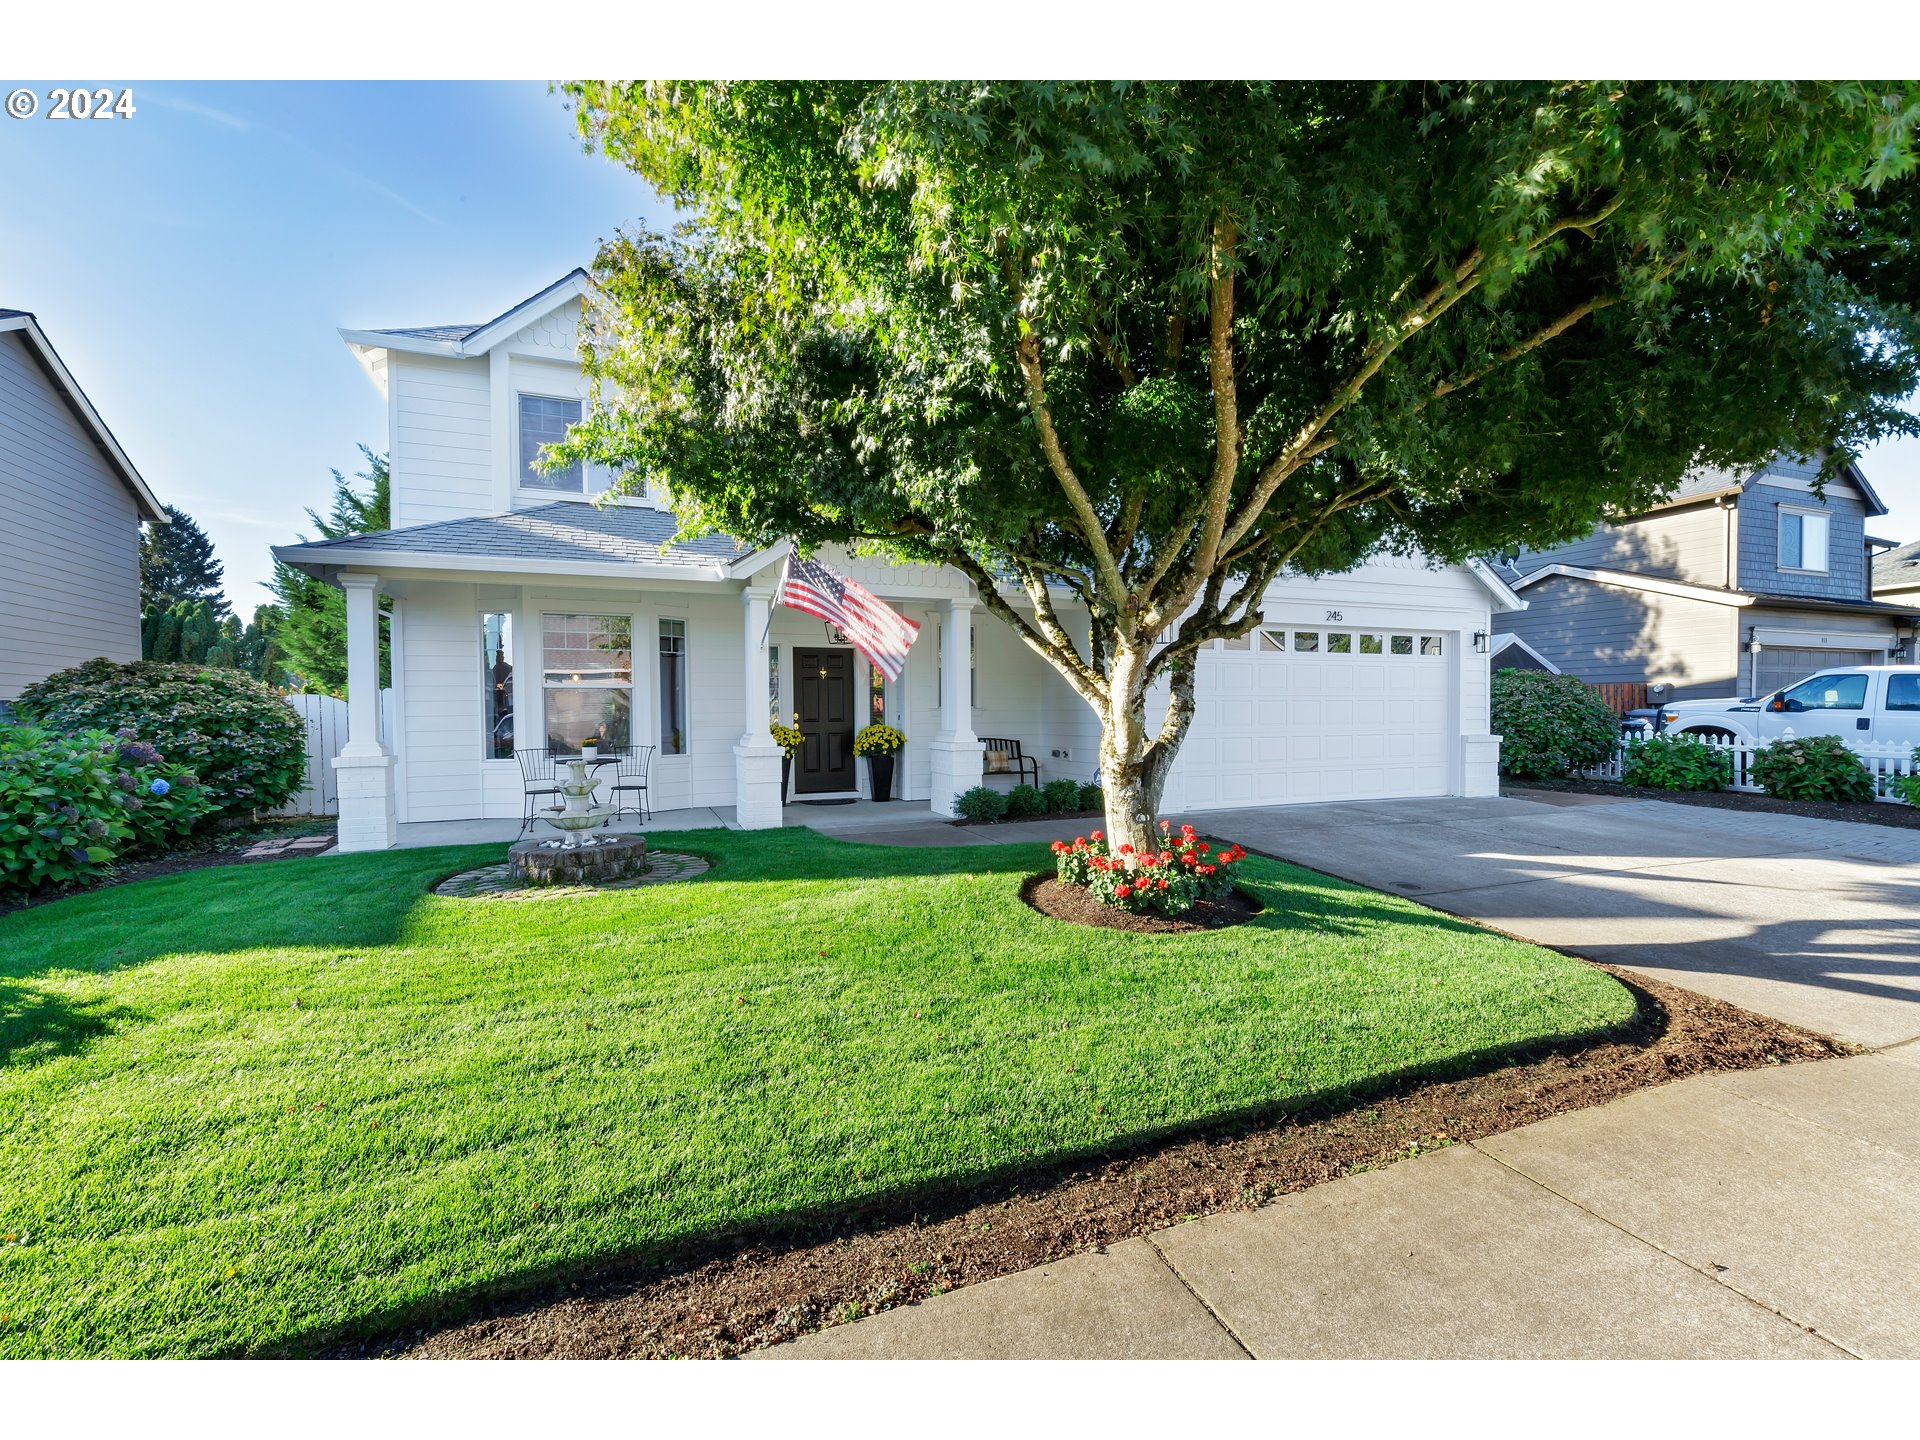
1802,513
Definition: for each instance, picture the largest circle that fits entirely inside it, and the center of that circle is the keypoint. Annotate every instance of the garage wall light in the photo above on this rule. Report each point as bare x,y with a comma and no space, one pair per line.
1480,642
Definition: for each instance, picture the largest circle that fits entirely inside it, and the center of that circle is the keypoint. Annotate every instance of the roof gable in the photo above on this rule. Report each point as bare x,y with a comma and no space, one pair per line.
473,339
23,323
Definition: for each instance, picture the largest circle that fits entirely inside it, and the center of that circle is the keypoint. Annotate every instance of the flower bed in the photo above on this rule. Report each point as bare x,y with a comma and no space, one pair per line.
1182,873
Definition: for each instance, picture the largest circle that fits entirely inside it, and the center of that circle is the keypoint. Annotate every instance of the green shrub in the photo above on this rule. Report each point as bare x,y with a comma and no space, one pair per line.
1061,795
70,805
1025,801
1820,767
982,802
1676,762
1550,725
1907,786
242,740
1092,797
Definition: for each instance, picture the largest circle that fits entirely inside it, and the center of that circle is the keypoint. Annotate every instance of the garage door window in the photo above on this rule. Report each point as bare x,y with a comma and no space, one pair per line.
1429,644
1306,641
1370,645
1273,640
1403,644
1339,644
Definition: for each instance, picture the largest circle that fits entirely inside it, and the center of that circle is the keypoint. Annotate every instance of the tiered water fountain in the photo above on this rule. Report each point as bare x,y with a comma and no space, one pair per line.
578,857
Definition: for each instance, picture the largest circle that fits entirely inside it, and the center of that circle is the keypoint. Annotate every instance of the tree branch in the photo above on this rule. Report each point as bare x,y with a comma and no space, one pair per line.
1027,350
1533,342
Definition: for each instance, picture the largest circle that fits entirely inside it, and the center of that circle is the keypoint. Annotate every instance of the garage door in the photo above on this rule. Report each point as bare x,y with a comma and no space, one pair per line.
1776,669
1302,714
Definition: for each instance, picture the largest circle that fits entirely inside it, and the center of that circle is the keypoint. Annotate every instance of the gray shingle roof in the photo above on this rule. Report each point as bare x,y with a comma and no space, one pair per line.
1898,566
432,332
567,530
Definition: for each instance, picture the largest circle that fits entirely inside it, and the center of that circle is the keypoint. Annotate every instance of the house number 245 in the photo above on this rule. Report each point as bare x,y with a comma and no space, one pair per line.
1333,615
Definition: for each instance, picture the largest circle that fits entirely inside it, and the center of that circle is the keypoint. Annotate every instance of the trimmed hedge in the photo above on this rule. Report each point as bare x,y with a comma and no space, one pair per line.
1061,795
1676,762
1550,725
1024,802
240,737
982,802
71,805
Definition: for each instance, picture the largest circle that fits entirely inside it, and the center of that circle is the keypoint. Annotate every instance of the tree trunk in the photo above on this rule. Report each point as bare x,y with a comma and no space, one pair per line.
1134,766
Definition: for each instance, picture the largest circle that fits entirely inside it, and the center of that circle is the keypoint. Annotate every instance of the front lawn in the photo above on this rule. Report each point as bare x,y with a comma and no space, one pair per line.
248,1110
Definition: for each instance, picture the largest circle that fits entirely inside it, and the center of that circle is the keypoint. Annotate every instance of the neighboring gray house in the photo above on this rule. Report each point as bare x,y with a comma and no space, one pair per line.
1896,574
1737,585
71,504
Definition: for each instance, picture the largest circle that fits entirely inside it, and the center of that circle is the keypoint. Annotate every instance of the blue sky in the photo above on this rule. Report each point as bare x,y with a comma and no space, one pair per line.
193,264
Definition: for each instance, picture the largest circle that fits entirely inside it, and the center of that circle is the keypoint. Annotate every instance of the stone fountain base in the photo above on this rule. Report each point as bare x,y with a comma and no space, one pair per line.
608,858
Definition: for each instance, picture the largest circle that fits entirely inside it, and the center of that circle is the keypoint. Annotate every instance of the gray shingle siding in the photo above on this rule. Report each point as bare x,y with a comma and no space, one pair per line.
1606,633
1687,544
566,531
1846,577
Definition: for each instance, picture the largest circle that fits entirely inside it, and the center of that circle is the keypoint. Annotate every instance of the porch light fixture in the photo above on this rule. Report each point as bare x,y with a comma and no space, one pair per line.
835,635
1480,642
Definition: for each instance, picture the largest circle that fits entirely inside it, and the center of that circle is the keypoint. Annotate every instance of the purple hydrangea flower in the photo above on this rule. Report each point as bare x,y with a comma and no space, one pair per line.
96,829
126,782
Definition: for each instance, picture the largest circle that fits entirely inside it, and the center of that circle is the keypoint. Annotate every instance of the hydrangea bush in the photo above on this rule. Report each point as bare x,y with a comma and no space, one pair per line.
1819,767
1676,762
71,805
1169,881
1550,725
240,738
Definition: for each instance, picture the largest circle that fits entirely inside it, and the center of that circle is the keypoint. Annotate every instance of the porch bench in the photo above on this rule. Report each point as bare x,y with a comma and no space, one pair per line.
1022,766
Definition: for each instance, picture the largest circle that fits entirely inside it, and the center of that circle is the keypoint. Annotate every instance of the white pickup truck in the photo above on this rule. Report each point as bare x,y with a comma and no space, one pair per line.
1858,703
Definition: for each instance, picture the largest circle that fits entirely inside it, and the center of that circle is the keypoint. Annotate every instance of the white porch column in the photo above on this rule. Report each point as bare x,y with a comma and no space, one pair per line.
363,769
756,759
956,749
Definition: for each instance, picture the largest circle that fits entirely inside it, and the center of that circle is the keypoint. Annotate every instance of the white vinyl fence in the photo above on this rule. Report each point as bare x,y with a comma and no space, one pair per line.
326,721
1885,760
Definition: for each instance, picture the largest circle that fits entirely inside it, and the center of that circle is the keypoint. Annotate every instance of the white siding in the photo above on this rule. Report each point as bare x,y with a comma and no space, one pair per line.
442,448
69,535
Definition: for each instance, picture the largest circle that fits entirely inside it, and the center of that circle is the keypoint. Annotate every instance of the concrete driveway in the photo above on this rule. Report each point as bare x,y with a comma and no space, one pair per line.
1815,922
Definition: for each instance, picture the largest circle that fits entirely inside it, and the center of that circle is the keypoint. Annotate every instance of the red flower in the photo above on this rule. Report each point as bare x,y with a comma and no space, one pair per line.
1163,884
1166,824
1126,847
1124,891
1059,847
1187,830
1204,847
1096,835
1186,858
1206,869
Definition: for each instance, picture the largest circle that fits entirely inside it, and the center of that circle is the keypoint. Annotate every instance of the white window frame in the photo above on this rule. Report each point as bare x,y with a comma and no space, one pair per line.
634,628
595,479
1804,513
516,646
686,687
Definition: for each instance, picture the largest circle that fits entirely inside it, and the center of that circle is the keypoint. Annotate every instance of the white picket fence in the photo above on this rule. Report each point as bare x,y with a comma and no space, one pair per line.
1885,760
326,721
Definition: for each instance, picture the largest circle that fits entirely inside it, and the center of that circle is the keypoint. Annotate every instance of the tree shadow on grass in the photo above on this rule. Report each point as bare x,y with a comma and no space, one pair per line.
36,1025
398,1328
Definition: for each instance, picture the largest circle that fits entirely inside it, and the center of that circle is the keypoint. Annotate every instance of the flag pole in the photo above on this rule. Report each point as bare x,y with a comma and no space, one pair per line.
774,603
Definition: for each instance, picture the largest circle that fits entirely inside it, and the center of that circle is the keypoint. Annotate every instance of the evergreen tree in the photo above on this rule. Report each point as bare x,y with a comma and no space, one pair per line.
310,626
192,634
176,564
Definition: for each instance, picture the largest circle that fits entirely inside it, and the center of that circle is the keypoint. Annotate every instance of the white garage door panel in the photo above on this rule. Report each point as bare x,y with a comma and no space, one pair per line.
1341,716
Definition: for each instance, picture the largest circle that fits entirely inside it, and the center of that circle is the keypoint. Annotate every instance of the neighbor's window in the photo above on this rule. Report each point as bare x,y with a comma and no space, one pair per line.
1828,692
587,675
1903,692
543,422
673,687
1803,540
496,684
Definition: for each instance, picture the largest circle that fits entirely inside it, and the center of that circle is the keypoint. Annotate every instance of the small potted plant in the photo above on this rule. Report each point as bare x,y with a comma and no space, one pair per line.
880,743
590,749
788,738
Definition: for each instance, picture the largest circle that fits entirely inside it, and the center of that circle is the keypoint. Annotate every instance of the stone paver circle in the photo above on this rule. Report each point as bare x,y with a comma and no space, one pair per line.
496,882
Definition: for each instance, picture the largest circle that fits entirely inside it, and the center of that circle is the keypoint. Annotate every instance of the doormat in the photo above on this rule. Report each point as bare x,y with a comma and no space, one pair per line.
826,802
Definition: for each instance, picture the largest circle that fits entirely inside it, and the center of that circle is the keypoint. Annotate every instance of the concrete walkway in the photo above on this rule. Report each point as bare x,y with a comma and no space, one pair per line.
1761,1215
1767,1214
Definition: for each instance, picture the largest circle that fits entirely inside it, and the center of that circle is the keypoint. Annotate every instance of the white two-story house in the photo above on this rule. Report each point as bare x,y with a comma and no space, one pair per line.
530,613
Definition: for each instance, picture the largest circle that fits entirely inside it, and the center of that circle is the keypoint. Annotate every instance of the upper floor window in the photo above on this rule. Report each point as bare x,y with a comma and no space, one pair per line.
1803,540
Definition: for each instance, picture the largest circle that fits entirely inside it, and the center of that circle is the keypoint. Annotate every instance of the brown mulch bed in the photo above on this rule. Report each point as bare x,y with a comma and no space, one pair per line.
1076,905
1871,813
737,1293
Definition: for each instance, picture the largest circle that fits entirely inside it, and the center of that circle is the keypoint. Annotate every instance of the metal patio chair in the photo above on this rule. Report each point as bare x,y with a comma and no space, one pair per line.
635,761
539,776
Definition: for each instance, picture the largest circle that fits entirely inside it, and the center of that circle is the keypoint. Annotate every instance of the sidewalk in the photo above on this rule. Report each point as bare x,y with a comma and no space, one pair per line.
1764,1214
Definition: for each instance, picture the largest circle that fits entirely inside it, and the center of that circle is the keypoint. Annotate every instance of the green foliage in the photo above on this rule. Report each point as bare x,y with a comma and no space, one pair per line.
191,632
975,323
1092,797
177,566
71,804
1172,877
241,739
1676,762
982,802
1819,767
1550,725
1907,786
1061,795
472,1092
312,629
1025,801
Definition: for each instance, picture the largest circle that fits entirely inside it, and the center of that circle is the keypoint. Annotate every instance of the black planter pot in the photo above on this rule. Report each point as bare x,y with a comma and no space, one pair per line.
786,776
881,768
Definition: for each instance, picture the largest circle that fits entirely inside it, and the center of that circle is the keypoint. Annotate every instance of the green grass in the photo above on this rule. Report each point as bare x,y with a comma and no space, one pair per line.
250,1109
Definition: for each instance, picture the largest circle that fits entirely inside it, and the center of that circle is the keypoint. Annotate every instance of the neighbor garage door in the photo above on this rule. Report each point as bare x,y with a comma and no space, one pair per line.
1303,714
1777,669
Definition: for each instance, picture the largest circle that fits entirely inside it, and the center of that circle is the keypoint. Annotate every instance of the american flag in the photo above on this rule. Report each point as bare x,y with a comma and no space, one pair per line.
876,629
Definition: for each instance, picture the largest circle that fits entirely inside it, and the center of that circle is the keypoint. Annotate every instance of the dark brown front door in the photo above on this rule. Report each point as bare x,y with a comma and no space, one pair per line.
823,685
